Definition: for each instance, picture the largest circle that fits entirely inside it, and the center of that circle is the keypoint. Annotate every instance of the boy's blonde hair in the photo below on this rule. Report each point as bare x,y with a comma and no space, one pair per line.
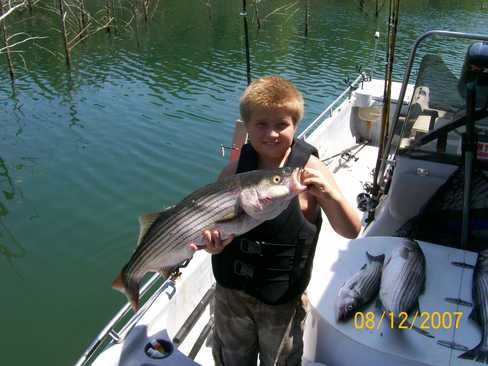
272,92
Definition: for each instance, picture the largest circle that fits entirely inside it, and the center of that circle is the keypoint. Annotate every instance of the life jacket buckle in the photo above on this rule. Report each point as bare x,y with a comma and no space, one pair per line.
243,269
251,247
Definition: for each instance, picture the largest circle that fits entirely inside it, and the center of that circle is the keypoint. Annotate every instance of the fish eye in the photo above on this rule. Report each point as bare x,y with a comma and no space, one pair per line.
349,307
276,179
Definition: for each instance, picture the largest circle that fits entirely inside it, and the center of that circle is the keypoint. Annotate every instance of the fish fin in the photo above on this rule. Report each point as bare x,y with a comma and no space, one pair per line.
363,267
375,258
479,353
131,291
474,316
146,221
118,283
418,330
166,271
378,305
416,307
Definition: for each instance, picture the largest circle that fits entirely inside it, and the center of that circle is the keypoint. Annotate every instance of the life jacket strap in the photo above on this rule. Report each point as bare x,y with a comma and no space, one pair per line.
243,269
257,247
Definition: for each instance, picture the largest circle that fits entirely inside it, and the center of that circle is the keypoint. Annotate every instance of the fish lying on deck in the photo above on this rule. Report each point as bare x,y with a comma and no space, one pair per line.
233,205
360,288
480,311
403,278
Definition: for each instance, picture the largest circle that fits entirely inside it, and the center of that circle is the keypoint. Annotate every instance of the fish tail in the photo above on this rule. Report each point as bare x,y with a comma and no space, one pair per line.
376,258
130,289
418,330
479,353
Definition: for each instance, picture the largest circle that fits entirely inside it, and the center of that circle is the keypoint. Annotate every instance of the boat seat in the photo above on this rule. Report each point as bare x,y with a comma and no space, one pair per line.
413,184
440,221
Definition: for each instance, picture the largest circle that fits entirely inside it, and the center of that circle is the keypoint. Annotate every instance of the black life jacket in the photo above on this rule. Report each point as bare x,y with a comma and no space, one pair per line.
272,262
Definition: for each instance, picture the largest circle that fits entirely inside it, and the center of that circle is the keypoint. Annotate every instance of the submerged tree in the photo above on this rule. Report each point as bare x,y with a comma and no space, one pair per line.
256,13
307,17
10,41
6,48
77,24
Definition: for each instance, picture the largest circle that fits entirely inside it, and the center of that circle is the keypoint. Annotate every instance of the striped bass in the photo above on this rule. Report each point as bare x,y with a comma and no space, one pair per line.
233,205
360,288
403,278
480,311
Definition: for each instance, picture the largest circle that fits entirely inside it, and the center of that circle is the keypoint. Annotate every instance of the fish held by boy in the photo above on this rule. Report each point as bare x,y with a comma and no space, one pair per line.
233,206
480,311
403,280
360,288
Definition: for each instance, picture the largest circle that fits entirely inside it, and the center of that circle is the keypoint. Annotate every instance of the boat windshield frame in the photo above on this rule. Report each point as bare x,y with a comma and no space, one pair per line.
392,148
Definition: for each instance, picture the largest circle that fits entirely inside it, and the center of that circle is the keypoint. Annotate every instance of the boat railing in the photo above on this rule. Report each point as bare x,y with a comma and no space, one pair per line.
110,334
390,151
362,77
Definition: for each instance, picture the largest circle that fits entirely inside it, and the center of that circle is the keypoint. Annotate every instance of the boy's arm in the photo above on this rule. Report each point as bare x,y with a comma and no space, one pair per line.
323,186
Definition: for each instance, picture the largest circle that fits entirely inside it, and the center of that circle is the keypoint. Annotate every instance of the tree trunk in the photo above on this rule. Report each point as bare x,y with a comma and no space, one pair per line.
256,12
109,11
65,35
10,64
83,20
145,4
306,17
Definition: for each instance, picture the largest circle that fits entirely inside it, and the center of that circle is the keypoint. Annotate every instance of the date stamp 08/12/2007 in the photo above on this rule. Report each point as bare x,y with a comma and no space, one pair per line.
423,320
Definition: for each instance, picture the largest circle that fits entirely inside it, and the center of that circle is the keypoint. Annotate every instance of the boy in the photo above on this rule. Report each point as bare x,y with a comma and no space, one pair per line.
262,275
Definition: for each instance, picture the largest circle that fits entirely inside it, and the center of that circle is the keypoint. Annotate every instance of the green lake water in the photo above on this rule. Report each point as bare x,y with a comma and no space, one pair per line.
136,125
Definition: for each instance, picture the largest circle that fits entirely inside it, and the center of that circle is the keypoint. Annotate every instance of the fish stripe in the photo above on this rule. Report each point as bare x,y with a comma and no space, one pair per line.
200,222
371,280
407,287
176,220
205,202
172,239
482,287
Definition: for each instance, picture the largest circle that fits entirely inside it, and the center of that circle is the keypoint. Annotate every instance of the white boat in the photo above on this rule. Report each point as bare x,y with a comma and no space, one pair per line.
423,149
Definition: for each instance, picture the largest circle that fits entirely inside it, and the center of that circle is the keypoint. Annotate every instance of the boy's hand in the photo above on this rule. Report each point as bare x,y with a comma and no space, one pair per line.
318,186
213,243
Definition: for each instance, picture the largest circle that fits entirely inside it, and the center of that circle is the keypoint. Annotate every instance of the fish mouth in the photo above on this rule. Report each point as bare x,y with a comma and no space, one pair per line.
296,181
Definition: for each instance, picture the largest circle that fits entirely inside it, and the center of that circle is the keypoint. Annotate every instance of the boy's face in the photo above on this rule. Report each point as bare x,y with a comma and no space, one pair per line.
271,132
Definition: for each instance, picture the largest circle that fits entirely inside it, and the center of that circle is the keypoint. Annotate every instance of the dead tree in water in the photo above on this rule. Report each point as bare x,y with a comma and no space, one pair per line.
256,13
149,6
145,6
82,16
307,16
11,70
110,14
11,41
77,25
208,4
361,5
63,15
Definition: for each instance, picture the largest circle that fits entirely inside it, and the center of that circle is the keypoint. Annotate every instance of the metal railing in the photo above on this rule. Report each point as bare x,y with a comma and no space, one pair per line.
110,334
332,106
406,79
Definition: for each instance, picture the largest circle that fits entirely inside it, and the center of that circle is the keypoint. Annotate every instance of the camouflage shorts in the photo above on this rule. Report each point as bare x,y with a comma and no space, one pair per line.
245,327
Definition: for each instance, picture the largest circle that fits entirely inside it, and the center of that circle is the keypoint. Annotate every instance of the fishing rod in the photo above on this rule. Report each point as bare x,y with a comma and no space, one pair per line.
391,41
240,135
246,41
